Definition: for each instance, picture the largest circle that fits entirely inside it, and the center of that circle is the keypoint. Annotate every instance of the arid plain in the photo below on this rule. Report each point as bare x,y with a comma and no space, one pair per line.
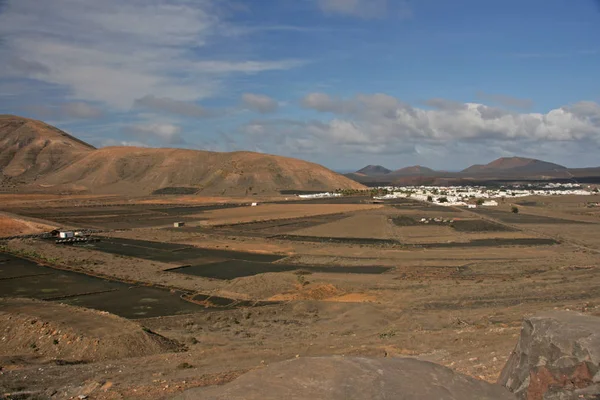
242,286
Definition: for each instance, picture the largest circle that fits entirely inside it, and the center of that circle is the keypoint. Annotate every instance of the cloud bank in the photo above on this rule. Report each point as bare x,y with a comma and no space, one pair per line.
380,124
115,52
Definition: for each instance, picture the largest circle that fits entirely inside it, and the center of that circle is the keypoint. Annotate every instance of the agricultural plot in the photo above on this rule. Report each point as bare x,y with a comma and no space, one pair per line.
23,278
520,218
238,268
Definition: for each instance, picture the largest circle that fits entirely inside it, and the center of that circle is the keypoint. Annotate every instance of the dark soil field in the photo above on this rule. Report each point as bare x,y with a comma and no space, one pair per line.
172,252
23,278
238,268
496,242
342,240
281,226
479,225
520,218
240,287
124,217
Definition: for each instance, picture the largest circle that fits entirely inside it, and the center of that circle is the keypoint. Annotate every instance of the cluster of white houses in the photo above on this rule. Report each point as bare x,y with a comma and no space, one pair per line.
472,196
469,196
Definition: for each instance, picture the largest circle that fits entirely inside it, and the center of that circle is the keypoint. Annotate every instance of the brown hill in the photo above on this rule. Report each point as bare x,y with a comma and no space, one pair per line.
414,170
131,170
43,157
373,170
30,149
515,165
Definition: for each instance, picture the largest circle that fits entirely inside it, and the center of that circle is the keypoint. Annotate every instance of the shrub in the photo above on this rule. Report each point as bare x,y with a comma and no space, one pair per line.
442,200
430,199
480,202
185,366
515,210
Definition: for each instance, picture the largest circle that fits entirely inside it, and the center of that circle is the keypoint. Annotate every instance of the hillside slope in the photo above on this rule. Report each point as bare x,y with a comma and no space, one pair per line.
131,170
30,149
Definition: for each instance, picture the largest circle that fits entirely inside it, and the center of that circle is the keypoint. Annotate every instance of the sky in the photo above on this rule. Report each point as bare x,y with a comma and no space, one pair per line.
343,83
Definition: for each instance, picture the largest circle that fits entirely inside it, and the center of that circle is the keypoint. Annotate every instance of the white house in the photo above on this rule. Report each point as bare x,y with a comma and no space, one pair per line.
490,203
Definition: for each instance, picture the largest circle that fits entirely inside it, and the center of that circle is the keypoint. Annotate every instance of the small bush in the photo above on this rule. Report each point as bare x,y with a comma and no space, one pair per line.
185,366
302,280
430,199
515,210
442,200
387,335
55,341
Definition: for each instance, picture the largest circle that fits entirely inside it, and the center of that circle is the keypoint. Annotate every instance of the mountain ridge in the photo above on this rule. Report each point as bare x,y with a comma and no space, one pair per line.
42,157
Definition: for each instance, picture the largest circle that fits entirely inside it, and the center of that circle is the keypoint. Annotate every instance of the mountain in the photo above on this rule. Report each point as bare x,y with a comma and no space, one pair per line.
30,149
516,165
414,170
49,159
372,170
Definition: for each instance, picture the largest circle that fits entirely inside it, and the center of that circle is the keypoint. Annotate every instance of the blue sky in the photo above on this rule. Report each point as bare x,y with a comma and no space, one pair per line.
344,83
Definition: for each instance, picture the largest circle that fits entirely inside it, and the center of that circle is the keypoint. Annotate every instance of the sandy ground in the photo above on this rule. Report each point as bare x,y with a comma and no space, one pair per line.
11,226
7,199
277,211
458,306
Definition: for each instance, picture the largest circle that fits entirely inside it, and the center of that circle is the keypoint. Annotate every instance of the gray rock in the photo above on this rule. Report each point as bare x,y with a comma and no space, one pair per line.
345,378
557,357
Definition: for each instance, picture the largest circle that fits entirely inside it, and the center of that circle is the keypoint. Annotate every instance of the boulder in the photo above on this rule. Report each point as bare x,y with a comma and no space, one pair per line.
346,378
557,357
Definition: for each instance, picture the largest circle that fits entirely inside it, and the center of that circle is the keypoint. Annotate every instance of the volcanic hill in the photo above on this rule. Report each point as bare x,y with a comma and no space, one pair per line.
514,165
372,170
414,170
44,157
30,149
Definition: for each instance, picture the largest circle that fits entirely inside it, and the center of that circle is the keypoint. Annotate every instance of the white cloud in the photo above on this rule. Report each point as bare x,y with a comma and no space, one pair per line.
115,52
322,102
172,106
382,117
119,143
379,124
164,133
72,110
259,103
247,67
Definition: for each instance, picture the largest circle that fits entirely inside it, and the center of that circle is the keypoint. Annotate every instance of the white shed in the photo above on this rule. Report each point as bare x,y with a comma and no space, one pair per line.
490,203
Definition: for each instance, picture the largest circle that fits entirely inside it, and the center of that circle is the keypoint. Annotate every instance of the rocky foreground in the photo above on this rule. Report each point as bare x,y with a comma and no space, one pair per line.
557,358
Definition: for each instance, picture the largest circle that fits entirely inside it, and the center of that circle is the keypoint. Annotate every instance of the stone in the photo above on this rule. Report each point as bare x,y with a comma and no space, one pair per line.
350,378
557,356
